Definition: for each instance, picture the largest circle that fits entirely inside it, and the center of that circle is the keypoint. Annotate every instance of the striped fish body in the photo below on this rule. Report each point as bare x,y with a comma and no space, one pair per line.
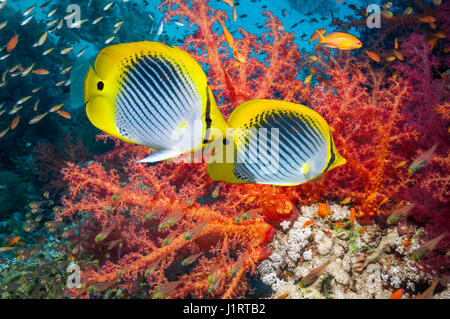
151,94
278,143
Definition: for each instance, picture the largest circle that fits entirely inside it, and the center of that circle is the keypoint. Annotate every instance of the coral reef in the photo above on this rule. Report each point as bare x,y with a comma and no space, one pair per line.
365,262
41,275
152,229
167,231
158,218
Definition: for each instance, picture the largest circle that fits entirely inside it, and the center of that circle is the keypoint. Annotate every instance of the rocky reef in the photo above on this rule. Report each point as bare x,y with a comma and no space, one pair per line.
366,261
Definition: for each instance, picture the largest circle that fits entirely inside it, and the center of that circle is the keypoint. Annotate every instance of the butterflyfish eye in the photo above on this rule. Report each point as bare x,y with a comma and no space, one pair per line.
100,85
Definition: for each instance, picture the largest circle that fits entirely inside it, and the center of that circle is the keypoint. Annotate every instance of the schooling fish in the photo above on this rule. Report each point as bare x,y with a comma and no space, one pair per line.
429,246
299,139
399,214
339,40
428,294
12,43
151,94
422,160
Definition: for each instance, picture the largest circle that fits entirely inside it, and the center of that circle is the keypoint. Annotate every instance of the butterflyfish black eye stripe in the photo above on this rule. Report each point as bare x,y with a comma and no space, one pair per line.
208,120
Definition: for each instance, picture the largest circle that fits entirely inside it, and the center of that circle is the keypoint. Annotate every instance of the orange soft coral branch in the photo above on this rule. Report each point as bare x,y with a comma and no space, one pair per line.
93,180
199,13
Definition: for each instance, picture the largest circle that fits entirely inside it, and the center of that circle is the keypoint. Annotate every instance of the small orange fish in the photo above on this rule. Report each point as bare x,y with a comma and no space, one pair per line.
398,55
324,210
443,77
428,19
307,223
308,79
13,241
362,230
283,296
229,2
390,58
15,122
373,56
239,57
37,118
440,35
346,201
406,242
3,133
311,68
397,295
56,107
64,114
396,43
234,13
228,36
432,42
372,196
315,35
40,71
352,216
339,225
12,43
402,163
384,201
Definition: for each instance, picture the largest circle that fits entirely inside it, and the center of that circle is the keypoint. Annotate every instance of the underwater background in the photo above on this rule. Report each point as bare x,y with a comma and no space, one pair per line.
80,219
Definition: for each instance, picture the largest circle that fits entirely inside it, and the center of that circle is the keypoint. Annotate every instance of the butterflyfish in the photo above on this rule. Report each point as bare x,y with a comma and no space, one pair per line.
151,94
299,139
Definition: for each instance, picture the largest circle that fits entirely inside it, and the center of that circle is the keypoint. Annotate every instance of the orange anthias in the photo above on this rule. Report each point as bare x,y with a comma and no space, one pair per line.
324,210
228,36
12,43
15,122
307,223
13,241
352,216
